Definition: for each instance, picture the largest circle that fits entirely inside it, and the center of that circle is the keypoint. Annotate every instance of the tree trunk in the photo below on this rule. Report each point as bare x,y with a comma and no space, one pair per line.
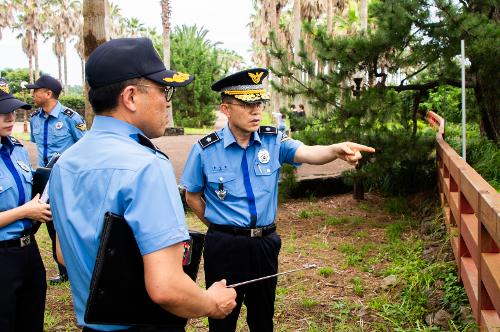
297,27
82,63
94,34
486,93
59,67
35,55
363,15
30,68
165,22
65,58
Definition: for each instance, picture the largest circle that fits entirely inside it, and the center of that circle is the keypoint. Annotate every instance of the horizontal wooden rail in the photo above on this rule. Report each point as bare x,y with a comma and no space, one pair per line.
472,215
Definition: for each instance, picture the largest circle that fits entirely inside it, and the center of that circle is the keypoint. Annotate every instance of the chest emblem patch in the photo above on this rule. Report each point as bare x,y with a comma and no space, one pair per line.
23,166
263,156
59,125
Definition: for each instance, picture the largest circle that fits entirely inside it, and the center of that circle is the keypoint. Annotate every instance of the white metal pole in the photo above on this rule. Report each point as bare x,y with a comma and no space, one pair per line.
462,44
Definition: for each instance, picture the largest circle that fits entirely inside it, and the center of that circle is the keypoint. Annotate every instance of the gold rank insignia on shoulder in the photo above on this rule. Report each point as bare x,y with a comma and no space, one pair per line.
256,77
177,78
81,126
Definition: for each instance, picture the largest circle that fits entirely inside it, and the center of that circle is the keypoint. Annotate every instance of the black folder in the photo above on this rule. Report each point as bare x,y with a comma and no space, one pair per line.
118,294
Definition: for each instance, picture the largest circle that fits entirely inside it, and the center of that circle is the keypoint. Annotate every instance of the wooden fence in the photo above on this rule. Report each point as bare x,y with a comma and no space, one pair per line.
472,215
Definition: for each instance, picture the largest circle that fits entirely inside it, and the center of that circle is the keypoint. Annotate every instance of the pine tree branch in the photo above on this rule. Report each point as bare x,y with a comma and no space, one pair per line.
431,85
415,73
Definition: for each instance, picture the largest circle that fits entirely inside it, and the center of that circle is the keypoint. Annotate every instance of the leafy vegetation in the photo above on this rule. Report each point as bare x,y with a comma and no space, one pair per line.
481,153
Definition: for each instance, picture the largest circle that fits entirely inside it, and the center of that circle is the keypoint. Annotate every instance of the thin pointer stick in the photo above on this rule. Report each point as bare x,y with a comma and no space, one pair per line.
310,266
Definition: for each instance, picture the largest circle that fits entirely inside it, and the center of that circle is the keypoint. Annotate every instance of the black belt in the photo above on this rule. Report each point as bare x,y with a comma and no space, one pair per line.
251,232
18,243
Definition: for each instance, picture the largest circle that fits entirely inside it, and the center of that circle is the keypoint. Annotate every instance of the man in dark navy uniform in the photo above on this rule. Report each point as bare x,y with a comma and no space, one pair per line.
237,169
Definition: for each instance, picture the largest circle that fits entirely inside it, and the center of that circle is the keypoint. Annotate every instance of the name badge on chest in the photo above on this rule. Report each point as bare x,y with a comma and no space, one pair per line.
221,192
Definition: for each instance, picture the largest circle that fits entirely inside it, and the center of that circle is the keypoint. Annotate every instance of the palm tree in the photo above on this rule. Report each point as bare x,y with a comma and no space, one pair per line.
31,25
94,34
115,23
166,13
69,13
134,27
6,15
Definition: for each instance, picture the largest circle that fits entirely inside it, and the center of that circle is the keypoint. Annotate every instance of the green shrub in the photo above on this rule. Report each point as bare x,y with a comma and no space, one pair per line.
482,154
75,102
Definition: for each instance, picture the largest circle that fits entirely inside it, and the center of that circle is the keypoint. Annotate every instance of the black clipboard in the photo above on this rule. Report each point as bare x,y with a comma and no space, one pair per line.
118,294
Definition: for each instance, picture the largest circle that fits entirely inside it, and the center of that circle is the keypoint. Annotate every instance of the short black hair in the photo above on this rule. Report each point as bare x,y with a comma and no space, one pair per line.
56,94
104,99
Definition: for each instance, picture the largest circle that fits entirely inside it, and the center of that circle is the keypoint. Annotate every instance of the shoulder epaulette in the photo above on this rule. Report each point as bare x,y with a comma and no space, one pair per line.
15,141
268,130
284,137
208,140
144,141
35,112
69,112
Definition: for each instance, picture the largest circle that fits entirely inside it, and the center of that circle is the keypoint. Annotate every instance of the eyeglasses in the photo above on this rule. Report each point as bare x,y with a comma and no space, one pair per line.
168,91
249,107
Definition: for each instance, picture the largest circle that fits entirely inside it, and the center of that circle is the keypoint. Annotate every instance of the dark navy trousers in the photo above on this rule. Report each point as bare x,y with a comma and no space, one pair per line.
238,258
22,289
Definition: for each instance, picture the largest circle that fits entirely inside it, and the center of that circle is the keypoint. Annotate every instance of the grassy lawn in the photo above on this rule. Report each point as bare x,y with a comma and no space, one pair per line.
356,246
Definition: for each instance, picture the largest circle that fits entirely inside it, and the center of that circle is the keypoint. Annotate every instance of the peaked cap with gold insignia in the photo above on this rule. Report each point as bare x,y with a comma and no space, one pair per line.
245,85
122,59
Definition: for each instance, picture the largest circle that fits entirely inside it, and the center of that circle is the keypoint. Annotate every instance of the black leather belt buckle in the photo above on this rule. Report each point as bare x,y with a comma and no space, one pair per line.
24,241
256,232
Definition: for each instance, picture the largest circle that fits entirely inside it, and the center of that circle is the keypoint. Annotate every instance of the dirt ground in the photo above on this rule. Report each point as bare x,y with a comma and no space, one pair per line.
312,300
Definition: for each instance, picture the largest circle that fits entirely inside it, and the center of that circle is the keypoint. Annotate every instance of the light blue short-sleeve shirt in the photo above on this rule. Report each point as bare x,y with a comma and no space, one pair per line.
108,170
15,175
217,166
56,132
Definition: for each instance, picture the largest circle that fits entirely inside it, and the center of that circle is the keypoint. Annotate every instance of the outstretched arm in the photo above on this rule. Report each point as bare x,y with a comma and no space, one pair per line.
322,154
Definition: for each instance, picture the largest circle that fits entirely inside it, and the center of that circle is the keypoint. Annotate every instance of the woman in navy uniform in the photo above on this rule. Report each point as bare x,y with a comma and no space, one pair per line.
22,280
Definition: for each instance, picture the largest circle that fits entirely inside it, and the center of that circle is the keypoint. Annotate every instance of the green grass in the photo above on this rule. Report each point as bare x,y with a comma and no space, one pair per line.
325,271
22,136
198,131
343,220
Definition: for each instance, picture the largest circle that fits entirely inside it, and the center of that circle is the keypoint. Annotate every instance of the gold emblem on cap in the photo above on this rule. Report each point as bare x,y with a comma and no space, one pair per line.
177,78
81,126
256,77
4,87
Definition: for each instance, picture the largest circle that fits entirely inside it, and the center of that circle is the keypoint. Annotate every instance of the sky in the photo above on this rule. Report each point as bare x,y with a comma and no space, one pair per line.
226,21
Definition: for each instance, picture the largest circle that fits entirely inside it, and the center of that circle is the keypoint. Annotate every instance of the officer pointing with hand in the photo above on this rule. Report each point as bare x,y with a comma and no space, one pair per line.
237,169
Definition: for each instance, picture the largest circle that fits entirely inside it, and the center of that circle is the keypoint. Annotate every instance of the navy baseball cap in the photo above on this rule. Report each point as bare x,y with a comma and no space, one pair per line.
244,85
8,103
47,82
122,59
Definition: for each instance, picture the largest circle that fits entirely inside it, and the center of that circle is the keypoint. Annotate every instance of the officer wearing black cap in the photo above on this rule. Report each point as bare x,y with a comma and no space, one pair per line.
237,169
22,276
54,128
116,168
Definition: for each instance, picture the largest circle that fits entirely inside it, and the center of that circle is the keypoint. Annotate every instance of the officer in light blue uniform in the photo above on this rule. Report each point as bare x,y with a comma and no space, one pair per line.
22,276
237,170
116,168
54,128
214,166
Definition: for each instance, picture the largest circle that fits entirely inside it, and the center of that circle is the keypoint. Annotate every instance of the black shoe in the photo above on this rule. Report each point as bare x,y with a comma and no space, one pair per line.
58,280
